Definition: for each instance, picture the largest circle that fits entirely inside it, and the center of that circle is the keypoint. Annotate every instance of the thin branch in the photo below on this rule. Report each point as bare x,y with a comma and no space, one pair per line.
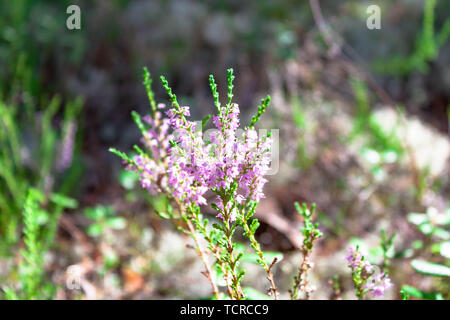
301,280
267,268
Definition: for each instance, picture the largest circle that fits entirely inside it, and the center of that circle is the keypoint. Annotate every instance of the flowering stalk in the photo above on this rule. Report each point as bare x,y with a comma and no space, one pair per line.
310,233
364,279
208,273
183,165
387,245
201,225
67,146
249,232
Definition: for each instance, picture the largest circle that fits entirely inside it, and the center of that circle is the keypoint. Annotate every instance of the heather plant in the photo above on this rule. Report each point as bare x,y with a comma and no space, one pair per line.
38,239
33,152
224,169
311,233
387,248
367,282
184,167
32,271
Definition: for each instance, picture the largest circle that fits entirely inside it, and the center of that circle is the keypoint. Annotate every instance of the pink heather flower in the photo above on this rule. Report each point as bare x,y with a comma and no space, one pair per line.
152,169
66,148
378,284
192,167
355,260
231,210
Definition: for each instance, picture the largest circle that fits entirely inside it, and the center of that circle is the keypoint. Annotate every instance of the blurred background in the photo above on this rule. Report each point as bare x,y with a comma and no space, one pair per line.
364,133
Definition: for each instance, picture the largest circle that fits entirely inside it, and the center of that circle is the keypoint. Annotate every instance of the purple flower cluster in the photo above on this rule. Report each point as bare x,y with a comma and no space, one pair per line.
186,165
356,261
66,147
378,284
153,169
374,284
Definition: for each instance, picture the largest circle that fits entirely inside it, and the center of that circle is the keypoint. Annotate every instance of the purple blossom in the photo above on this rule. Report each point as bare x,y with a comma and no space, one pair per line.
231,211
378,284
192,167
356,260
373,284
67,146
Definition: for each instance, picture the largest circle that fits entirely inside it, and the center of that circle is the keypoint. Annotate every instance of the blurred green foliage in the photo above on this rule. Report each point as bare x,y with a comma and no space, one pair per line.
40,216
31,33
433,224
427,46
104,218
365,124
28,158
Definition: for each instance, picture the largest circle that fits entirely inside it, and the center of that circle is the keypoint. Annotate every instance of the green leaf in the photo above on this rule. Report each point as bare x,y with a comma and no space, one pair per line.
121,155
261,109
42,217
63,201
162,214
230,78
95,213
441,233
137,119
414,292
148,88
216,207
218,227
116,223
205,121
253,294
404,294
371,156
220,280
417,244
95,230
417,218
128,179
239,256
389,156
444,220
298,114
215,93
432,269
241,275
10,294
268,256
110,259
444,249
254,225
426,228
